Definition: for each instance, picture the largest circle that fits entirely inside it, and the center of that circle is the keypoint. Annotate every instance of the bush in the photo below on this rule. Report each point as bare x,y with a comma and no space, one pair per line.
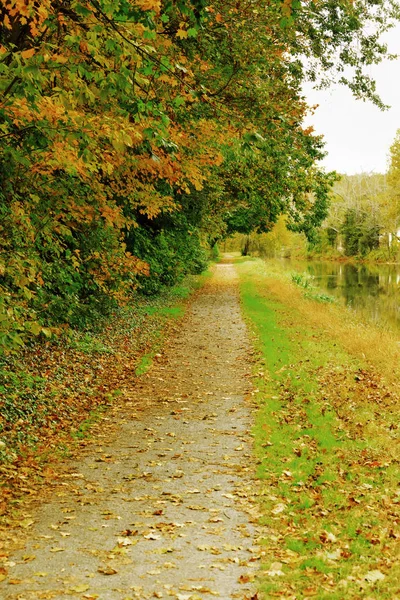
170,254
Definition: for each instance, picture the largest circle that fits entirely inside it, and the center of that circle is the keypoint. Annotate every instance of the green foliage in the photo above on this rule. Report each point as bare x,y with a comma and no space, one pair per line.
170,253
303,281
214,252
319,297
132,131
360,233
320,498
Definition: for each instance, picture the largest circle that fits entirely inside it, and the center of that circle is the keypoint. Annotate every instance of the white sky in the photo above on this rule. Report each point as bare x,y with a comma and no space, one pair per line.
357,134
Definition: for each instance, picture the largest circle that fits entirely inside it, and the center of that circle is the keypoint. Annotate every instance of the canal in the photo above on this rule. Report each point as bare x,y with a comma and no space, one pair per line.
371,290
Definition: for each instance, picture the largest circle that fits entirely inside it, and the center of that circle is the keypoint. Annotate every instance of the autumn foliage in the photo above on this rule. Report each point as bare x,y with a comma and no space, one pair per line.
134,132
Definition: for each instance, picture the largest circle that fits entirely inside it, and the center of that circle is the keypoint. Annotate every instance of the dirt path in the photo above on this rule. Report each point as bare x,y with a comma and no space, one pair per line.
165,509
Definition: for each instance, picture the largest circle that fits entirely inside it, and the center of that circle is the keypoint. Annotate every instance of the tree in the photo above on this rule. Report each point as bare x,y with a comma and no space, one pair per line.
392,198
122,122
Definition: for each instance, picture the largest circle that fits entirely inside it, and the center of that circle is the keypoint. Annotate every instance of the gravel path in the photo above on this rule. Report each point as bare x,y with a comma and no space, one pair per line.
165,508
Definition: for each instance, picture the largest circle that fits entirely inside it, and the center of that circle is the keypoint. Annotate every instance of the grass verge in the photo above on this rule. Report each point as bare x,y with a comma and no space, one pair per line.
327,445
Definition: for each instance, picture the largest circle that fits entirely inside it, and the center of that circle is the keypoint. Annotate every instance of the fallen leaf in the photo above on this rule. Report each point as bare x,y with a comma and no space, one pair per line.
28,557
79,588
373,576
126,541
335,555
107,570
25,523
152,536
275,570
327,536
278,509
246,578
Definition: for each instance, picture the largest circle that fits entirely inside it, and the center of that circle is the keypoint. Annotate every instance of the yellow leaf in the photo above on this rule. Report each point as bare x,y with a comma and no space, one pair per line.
181,33
59,58
34,327
149,5
28,53
79,588
25,523
28,557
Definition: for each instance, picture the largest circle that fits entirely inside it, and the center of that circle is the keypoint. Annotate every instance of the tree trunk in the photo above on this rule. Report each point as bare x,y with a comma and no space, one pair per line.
246,247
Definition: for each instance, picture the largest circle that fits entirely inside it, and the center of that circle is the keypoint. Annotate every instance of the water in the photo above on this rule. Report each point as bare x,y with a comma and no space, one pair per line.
373,290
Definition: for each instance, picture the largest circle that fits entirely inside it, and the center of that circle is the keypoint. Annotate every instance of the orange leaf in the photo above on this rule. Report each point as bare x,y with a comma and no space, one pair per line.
28,53
149,5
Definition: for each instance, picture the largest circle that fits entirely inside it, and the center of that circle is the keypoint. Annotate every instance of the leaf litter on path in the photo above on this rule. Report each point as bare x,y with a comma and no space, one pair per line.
161,481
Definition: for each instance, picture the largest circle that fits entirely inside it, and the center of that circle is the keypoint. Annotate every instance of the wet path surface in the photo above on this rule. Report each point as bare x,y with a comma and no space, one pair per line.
166,508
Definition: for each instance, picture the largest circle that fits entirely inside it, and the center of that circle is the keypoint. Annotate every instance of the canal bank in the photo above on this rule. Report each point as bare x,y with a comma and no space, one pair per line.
371,290
326,441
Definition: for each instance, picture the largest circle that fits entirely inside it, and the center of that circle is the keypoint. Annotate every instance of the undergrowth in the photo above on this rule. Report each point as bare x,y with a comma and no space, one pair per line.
52,393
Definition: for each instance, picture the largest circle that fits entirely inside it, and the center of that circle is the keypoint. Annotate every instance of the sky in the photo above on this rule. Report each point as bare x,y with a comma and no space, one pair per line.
357,134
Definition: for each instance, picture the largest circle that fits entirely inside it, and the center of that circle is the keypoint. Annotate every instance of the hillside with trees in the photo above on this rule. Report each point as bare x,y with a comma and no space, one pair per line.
364,213
362,220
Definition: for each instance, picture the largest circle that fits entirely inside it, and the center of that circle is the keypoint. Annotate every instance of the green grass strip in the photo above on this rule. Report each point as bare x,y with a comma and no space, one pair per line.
329,500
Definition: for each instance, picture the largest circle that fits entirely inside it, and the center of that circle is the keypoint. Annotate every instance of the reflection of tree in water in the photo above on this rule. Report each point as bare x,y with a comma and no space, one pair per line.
373,290
325,275
359,284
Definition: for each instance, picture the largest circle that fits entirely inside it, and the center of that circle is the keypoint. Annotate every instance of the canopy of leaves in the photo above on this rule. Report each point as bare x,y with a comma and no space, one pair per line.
131,131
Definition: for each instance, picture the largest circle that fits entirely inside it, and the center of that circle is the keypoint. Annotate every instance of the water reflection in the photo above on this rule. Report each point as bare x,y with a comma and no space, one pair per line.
374,289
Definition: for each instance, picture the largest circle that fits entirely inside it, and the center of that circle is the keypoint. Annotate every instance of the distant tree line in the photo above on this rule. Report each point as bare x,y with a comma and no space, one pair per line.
364,213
